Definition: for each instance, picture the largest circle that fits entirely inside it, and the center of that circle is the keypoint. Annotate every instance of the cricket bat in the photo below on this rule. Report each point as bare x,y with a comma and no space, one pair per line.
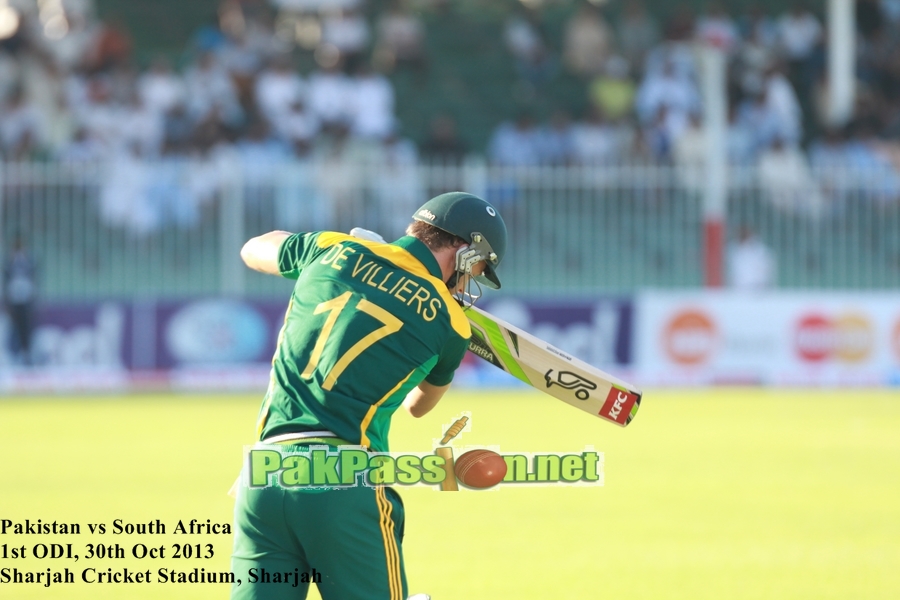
551,370
543,366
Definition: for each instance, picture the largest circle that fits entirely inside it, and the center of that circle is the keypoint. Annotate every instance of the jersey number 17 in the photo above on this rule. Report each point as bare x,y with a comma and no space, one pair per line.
334,307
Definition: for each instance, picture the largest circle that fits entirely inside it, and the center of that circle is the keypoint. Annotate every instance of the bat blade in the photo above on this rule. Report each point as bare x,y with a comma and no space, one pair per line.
551,370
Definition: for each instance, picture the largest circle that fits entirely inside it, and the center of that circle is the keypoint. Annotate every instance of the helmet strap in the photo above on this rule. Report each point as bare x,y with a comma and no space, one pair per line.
469,297
466,259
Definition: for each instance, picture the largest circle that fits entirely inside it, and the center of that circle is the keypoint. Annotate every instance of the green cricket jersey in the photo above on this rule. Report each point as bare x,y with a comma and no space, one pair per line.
366,323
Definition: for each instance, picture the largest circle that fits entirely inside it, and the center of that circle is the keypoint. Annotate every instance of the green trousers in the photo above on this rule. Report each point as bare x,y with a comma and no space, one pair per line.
347,541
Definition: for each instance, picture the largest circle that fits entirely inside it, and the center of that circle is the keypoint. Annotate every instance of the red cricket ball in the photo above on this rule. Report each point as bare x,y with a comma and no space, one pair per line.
480,469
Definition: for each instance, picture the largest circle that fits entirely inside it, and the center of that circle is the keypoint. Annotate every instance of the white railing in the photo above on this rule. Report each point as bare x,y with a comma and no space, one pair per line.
174,228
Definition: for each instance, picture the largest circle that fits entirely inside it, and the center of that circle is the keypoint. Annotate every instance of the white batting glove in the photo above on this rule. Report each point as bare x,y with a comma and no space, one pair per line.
365,234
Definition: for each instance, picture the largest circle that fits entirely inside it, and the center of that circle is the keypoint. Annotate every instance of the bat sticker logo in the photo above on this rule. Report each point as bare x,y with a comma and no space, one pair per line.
479,346
571,381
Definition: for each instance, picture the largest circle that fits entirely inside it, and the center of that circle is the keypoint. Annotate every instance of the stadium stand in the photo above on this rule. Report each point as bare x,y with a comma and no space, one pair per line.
161,218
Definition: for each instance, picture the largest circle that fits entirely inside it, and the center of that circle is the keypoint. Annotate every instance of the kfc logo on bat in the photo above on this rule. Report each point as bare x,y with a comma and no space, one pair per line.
618,405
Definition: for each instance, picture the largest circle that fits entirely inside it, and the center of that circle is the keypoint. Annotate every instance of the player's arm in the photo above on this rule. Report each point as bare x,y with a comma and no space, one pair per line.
423,398
430,390
261,252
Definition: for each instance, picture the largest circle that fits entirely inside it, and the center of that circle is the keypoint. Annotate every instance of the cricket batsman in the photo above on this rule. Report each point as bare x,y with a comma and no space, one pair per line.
369,326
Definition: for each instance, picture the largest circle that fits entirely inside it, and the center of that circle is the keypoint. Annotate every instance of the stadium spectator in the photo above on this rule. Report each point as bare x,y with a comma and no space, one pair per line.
262,33
613,91
800,37
82,148
526,41
637,33
752,265
43,84
277,88
371,104
209,87
348,31
236,54
799,34
754,58
878,63
260,154
330,96
167,196
76,88
100,115
756,116
21,127
112,46
123,202
676,50
121,81
668,98
141,127
587,41
741,139
443,145
782,101
10,69
872,157
210,133
517,143
298,128
829,159
160,88
828,152
178,129
19,296
716,28
597,140
67,35
59,122
756,24
787,181
400,38
557,140
689,155
656,140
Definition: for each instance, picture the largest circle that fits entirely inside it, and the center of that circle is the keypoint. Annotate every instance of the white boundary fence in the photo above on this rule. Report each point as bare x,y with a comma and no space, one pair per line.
174,228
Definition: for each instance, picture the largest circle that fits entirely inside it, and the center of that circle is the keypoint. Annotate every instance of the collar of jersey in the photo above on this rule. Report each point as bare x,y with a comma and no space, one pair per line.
421,252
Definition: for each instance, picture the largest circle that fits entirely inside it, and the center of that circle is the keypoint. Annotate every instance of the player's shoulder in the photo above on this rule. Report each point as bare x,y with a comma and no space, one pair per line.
458,320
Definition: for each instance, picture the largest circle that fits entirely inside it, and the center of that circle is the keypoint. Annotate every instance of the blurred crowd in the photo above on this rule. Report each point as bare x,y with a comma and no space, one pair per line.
77,93
71,89
641,74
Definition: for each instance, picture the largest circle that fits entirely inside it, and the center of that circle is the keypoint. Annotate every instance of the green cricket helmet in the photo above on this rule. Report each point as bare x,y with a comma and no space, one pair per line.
478,223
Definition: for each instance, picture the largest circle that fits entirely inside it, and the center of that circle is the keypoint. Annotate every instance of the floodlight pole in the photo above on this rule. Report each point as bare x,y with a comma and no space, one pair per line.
841,58
715,191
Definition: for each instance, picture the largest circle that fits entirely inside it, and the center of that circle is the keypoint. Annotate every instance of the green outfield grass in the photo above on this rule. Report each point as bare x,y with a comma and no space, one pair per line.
720,494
